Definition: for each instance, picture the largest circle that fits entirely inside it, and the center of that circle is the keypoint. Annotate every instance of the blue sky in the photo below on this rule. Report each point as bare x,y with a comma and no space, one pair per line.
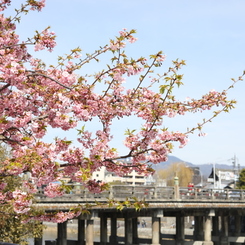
208,34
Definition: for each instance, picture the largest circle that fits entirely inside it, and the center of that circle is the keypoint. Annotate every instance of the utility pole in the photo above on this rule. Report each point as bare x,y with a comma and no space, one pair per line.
214,175
236,171
234,163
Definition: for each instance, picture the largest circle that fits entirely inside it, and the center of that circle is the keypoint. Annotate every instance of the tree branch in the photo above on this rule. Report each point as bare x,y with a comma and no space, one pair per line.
46,76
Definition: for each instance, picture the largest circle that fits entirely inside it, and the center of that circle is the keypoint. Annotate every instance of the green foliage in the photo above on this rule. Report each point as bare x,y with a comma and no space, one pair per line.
241,180
13,229
129,203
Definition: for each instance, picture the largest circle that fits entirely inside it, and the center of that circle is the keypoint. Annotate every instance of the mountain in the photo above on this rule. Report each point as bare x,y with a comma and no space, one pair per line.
171,159
205,169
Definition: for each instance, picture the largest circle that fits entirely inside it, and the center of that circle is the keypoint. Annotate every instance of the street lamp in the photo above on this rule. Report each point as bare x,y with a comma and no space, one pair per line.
200,172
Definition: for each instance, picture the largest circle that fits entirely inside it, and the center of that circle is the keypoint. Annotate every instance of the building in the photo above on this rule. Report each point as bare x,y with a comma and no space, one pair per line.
132,178
222,178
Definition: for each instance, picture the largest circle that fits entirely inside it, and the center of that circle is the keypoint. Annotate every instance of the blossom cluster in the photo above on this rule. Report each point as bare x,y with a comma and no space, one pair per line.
95,186
58,217
53,190
21,201
45,40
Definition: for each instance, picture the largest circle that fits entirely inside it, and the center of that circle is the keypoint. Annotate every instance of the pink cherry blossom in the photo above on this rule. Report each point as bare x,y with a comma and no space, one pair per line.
22,202
53,190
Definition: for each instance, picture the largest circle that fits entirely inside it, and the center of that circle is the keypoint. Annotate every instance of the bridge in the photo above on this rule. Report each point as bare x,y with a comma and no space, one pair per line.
219,215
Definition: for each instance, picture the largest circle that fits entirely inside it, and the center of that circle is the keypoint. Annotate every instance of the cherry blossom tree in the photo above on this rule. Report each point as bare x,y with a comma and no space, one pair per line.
36,97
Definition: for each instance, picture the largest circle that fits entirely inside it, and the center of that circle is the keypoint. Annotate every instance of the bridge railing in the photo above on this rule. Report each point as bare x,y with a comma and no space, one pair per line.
218,194
119,192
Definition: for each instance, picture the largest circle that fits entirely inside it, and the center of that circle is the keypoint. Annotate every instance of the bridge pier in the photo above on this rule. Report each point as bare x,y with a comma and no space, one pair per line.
113,237
81,232
215,230
207,231
90,232
224,229
198,228
103,229
135,230
156,227
38,241
180,229
62,233
128,232
238,227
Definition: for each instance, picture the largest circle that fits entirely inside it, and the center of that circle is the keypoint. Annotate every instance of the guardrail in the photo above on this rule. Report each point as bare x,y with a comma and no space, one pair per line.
218,194
120,192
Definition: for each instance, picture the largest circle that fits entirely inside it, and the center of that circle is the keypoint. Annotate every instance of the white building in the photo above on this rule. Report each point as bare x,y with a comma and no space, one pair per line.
222,178
132,178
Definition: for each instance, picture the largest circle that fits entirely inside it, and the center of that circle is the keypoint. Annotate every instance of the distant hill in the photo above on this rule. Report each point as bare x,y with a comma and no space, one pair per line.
171,159
205,169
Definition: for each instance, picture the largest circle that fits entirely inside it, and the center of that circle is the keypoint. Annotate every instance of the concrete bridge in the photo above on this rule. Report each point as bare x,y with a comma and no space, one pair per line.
218,215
